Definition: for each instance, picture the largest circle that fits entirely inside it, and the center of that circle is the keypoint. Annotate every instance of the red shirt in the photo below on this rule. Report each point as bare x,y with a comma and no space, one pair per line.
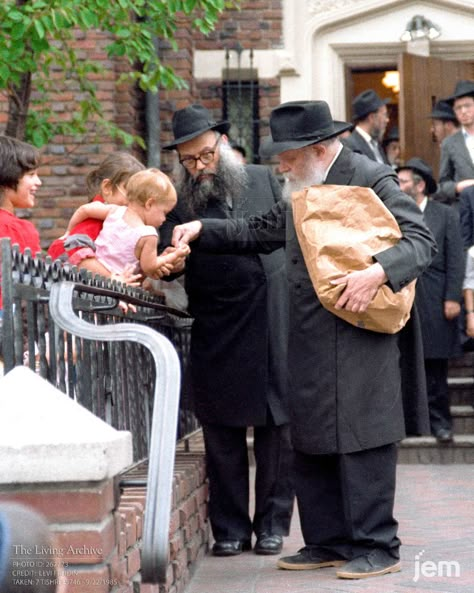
18,231
90,227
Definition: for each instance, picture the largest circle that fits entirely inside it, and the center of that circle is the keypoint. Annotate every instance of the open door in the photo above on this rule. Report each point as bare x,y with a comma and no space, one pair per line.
423,81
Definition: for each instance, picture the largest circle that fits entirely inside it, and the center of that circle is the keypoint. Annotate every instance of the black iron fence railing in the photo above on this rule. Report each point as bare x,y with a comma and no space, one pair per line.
114,380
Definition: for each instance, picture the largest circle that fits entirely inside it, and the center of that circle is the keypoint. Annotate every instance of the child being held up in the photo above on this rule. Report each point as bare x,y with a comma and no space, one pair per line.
129,235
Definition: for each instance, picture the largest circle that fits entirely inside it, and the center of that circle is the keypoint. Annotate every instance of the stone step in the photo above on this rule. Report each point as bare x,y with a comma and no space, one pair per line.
428,450
461,390
463,419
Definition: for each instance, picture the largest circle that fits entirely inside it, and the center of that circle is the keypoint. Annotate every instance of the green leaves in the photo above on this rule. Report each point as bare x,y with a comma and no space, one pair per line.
38,36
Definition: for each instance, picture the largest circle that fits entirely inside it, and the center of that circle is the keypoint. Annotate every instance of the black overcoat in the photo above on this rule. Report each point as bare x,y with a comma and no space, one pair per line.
344,382
239,337
440,282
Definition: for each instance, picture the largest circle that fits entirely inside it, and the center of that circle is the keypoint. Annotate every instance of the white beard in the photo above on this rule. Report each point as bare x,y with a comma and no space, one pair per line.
314,176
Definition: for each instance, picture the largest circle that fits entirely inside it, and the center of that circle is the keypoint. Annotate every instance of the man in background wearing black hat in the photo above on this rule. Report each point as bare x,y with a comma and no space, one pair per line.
444,122
457,151
438,292
239,337
344,381
369,113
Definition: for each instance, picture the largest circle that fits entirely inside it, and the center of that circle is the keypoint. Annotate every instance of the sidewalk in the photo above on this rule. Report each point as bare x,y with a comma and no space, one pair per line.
435,509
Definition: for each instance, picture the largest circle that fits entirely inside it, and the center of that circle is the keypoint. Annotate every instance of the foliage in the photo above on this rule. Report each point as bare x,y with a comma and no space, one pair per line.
38,55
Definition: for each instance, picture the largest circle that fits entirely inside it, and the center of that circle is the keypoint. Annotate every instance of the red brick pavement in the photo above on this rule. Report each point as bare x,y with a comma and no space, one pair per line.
435,509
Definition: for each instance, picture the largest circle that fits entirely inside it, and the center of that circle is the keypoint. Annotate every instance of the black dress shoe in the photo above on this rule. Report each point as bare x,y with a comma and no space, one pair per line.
231,547
374,564
268,543
444,435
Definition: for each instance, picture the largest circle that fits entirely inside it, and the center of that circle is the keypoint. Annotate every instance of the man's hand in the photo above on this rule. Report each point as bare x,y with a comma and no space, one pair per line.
183,234
361,288
451,309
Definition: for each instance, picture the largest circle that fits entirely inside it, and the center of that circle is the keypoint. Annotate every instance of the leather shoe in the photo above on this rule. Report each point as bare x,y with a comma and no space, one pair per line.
373,564
268,543
307,559
230,547
444,435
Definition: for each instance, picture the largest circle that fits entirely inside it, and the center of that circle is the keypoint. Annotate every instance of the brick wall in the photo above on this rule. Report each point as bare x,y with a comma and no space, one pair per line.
99,529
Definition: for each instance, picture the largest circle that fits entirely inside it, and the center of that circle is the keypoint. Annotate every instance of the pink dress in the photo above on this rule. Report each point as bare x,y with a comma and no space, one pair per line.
115,245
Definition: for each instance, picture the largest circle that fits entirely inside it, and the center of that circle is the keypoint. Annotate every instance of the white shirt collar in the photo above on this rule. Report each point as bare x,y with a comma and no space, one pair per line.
422,206
332,162
367,137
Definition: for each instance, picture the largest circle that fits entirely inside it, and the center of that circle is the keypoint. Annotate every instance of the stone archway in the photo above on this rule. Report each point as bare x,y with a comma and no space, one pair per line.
328,35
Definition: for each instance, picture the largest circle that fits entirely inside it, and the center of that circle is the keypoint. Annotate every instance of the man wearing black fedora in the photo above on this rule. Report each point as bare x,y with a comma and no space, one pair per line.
456,172
369,113
344,381
444,122
438,292
237,370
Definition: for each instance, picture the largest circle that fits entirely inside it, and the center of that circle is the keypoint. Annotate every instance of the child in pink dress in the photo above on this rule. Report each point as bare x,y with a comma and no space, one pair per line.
129,235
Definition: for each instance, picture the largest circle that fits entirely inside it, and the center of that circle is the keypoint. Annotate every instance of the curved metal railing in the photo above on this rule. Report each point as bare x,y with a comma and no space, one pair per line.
155,548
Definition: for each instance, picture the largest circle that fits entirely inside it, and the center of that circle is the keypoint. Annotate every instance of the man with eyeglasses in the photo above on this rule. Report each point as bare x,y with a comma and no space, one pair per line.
457,151
237,375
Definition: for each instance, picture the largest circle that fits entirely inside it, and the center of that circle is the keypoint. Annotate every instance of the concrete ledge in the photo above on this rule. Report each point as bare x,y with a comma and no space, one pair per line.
47,437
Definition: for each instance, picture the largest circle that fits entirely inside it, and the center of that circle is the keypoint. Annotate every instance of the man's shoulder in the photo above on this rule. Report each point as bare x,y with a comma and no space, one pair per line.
452,140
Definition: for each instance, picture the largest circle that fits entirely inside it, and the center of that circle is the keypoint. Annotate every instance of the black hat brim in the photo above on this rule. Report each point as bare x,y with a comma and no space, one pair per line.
273,148
222,127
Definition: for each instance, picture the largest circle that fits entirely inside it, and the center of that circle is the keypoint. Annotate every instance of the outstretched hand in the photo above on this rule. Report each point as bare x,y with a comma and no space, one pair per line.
183,234
360,288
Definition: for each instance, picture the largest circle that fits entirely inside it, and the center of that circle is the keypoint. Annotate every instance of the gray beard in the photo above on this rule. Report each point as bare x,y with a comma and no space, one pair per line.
227,181
315,178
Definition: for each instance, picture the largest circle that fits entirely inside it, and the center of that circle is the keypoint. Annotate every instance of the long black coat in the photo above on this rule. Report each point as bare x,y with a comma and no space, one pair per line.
345,392
440,282
239,337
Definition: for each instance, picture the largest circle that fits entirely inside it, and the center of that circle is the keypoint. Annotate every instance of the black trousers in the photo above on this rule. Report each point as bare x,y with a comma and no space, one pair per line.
346,501
228,473
436,370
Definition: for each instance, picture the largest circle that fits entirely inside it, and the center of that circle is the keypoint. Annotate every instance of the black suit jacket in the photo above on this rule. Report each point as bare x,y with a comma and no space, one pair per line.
357,143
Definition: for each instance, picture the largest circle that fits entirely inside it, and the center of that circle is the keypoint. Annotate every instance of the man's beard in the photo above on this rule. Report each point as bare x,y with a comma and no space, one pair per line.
227,181
313,174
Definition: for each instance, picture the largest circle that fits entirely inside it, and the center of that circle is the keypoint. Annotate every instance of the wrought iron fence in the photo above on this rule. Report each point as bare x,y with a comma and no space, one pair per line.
113,380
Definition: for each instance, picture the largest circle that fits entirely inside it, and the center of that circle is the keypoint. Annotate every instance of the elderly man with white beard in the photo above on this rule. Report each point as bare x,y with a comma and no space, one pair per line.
237,370
346,410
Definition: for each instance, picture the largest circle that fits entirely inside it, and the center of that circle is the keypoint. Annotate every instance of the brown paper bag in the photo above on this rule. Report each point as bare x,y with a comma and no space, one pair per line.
339,228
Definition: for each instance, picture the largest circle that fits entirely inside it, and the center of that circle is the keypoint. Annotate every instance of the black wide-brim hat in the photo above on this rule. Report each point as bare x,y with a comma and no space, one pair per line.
366,102
422,168
297,124
192,121
464,88
443,110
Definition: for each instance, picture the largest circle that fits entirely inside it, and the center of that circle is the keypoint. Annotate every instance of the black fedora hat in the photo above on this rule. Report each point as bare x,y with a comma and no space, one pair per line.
464,88
366,102
443,110
300,123
392,135
193,121
424,170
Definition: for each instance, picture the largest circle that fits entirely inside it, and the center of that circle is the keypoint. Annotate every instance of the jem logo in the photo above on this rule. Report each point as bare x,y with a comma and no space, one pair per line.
428,568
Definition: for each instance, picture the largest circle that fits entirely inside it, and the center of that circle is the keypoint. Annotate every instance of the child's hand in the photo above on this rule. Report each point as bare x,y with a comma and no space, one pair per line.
128,276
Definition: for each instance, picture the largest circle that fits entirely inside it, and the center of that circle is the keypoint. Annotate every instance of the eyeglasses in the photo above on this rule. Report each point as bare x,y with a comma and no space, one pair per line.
206,157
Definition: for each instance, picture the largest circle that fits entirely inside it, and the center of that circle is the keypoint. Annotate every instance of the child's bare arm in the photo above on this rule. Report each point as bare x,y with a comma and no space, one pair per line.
91,210
158,266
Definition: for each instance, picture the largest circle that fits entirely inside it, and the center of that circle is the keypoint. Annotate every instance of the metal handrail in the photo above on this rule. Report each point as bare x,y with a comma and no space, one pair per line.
155,549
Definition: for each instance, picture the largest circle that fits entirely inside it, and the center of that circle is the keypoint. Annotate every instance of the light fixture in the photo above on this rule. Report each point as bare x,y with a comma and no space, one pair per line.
391,80
420,28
